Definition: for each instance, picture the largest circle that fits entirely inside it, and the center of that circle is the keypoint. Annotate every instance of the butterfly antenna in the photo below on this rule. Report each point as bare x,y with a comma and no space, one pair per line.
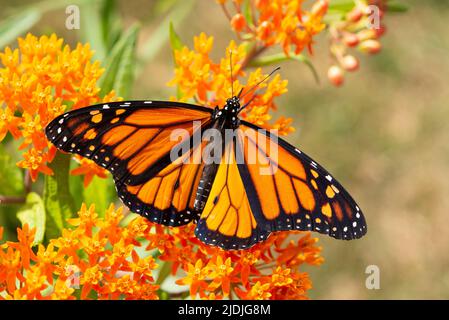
246,104
254,87
260,82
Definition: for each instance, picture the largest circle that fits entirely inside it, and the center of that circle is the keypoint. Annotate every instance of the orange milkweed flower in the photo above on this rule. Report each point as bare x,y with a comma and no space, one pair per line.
38,81
197,76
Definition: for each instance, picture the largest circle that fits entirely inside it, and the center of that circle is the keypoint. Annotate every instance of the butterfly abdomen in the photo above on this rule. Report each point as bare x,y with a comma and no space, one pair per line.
205,185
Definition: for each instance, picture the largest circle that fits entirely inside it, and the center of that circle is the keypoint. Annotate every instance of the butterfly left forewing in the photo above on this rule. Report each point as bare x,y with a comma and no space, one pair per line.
130,139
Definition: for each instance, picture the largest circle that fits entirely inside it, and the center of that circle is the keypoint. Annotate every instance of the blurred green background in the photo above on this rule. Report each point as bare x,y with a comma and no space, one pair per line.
384,134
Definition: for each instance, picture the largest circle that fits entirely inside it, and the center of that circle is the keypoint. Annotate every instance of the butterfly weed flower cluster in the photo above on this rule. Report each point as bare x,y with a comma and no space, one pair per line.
96,258
269,270
39,80
99,258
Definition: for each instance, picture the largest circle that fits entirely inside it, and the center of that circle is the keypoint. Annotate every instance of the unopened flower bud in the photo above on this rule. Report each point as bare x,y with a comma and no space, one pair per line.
350,63
367,34
320,8
354,15
351,40
370,46
335,75
238,22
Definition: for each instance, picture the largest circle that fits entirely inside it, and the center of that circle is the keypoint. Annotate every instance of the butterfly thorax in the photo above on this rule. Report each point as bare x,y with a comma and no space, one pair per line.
228,115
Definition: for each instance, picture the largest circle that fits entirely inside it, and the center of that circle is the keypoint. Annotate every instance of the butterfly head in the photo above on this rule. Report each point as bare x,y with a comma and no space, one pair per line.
232,105
231,110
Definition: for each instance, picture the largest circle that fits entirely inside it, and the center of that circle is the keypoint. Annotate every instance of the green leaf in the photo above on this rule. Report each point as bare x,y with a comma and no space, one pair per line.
33,214
164,272
396,7
176,44
175,40
111,23
119,75
281,57
11,177
247,13
159,37
101,193
91,29
341,5
163,6
17,24
58,201
76,184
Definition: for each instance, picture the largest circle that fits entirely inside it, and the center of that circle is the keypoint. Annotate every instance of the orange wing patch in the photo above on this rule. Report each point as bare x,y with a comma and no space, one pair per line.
278,180
227,209
159,117
227,218
171,190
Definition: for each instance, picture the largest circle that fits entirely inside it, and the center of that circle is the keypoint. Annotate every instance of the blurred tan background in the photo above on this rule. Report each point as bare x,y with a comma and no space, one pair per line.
384,135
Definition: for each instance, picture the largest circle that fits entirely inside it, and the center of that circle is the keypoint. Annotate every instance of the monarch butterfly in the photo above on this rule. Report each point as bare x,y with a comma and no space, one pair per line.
233,204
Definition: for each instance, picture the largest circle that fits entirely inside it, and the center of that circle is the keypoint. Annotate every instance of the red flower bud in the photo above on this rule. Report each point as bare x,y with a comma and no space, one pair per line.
351,40
238,22
335,75
370,46
320,8
354,15
350,63
367,34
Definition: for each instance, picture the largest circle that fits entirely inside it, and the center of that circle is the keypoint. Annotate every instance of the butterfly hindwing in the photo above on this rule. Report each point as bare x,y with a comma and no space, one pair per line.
293,192
227,219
